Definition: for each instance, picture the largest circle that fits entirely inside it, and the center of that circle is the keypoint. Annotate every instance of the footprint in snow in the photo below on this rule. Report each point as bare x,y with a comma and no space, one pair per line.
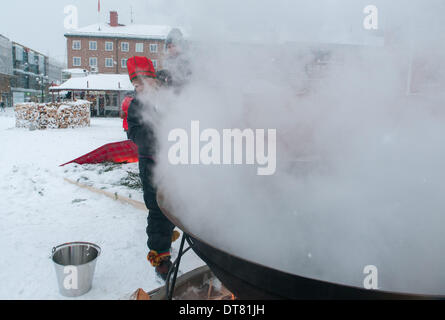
78,201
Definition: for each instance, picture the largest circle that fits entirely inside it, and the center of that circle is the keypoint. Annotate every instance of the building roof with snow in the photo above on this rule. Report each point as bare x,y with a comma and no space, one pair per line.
75,73
97,82
134,31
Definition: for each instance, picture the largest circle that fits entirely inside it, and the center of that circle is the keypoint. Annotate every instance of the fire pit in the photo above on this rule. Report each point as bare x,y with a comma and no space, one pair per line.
199,284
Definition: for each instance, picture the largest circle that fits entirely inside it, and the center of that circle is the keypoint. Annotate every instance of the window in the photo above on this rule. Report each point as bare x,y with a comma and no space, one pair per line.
31,59
93,62
93,45
41,64
77,45
108,46
109,62
124,63
155,63
125,47
139,47
77,61
19,53
153,48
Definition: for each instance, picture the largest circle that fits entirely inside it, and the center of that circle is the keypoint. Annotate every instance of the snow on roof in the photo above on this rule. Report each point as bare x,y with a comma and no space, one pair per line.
97,82
75,71
138,31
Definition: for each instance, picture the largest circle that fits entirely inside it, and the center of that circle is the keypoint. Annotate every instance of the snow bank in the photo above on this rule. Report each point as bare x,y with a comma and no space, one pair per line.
39,210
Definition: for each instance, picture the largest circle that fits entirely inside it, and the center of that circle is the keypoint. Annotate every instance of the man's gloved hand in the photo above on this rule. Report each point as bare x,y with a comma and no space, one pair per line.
175,235
156,258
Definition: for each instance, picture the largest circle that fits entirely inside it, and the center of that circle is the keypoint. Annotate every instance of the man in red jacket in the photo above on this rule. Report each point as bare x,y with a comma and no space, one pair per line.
124,112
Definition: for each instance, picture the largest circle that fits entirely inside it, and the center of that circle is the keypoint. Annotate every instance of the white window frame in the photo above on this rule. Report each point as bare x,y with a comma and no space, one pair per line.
155,63
77,42
154,45
107,43
90,43
139,44
122,46
124,63
80,61
89,62
107,60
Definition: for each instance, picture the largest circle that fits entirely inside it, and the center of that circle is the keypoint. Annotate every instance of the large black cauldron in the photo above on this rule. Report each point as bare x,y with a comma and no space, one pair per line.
248,280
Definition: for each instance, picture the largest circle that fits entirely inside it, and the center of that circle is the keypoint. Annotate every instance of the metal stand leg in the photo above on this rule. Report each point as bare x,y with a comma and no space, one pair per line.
175,268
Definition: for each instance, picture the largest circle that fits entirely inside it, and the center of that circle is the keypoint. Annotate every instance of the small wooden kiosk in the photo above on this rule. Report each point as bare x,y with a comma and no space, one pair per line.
105,91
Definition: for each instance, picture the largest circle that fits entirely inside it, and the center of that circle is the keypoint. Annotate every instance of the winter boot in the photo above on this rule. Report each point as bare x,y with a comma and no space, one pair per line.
163,268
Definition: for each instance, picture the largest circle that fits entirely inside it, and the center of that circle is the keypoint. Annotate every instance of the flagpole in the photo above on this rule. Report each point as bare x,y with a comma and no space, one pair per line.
98,13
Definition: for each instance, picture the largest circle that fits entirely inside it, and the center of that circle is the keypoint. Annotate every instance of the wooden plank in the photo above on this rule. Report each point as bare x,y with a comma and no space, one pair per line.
134,203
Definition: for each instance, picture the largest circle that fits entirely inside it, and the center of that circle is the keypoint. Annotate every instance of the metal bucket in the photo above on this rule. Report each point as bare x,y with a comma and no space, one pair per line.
75,263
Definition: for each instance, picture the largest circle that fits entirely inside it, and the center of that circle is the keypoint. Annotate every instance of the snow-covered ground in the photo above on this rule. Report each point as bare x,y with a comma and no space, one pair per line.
39,210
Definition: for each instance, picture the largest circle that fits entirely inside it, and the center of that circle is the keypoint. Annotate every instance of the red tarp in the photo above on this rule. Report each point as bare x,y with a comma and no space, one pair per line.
118,152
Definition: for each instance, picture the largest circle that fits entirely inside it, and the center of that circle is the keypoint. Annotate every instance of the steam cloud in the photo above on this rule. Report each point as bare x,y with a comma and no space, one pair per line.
360,163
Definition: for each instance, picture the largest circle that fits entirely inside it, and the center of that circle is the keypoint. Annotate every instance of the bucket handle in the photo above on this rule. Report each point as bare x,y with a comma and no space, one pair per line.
99,250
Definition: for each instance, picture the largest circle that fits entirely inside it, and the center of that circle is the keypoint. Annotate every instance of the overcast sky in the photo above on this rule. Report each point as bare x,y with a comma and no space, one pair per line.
40,24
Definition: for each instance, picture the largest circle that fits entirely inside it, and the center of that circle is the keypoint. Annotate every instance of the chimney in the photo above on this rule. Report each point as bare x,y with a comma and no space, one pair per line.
114,20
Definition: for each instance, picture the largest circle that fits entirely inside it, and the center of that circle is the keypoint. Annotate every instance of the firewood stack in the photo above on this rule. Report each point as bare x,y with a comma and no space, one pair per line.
73,114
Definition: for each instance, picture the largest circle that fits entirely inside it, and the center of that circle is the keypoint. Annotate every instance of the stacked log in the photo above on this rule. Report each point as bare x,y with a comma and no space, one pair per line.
73,114
26,115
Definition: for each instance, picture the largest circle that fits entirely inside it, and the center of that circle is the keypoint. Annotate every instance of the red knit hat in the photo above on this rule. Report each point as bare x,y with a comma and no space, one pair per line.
140,67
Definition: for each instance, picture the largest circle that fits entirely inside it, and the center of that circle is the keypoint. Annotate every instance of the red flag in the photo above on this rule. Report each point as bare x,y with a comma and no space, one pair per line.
98,5
118,152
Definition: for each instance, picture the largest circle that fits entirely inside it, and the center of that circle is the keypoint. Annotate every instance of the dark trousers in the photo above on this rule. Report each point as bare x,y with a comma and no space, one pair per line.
159,228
